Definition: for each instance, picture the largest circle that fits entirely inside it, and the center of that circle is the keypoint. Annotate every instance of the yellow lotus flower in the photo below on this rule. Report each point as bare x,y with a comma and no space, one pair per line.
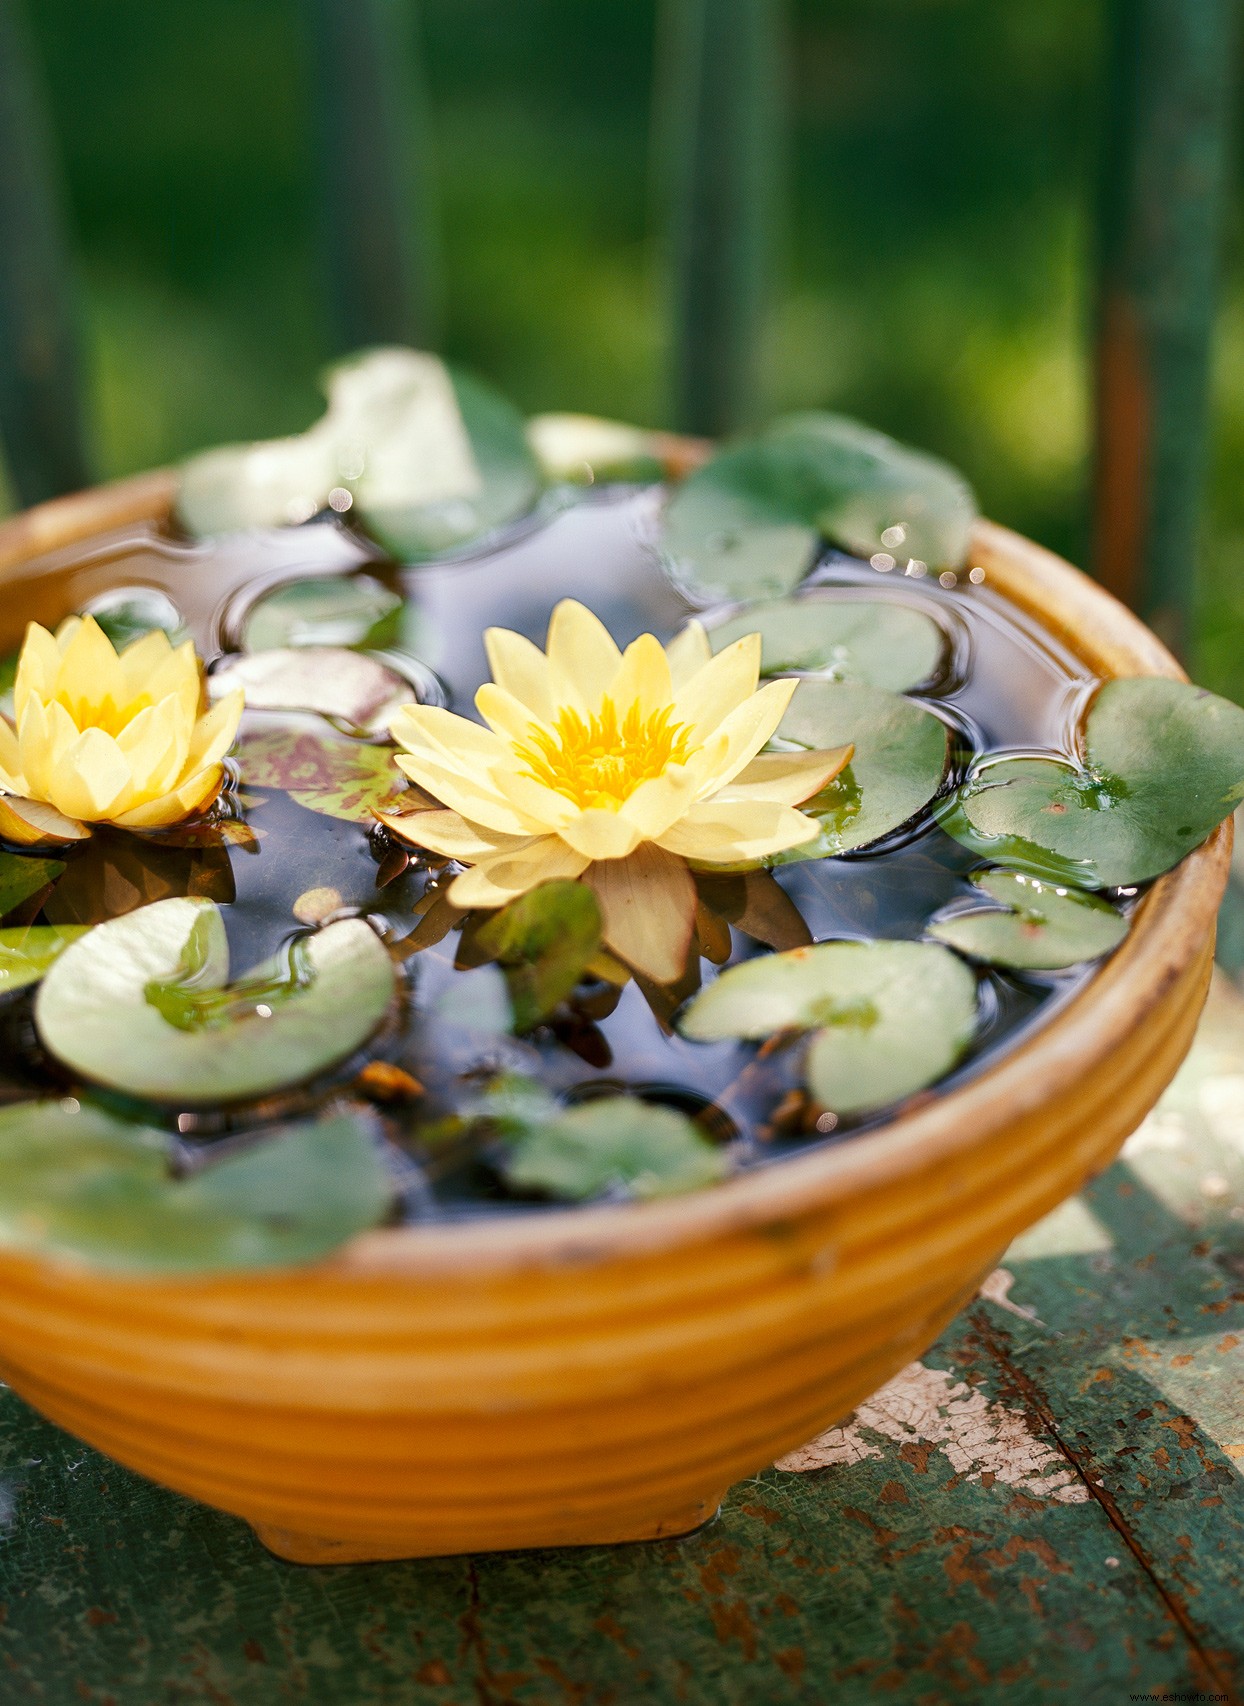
618,767
103,737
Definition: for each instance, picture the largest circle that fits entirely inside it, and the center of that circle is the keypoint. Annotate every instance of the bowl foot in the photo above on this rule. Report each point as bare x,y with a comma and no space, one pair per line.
298,1548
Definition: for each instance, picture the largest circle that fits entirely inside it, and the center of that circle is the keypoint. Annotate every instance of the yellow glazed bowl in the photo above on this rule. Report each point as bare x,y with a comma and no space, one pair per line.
605,1373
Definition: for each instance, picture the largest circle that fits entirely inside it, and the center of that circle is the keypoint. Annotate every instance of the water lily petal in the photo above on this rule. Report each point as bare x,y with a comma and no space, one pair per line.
495,881
90,776
600,834
37,668
582,655
721,833
195,794
688,652
90,682
642,677
720,686
787,778
12,781
451,740
663,799
519,667
477,800
156,747
507,715
215,731
538,804
750,726
647,909
45,730
141,660
450,834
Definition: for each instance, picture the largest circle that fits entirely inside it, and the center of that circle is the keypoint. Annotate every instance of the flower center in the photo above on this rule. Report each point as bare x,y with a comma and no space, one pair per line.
600,763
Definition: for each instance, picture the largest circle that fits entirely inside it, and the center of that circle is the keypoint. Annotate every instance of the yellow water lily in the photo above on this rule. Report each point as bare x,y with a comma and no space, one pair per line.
108,737
615,766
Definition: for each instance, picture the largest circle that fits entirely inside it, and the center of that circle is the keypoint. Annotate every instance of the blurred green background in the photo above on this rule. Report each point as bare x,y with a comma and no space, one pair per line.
935,238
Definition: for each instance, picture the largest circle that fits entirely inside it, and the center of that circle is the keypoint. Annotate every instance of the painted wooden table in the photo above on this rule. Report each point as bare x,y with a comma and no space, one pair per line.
1049,1506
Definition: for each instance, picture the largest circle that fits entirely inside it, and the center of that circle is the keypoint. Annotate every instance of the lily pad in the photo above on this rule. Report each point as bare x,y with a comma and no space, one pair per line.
1163,766
544,941
22,876
749,523
897,766
618,1145
1044,927
888,1018
26,952
586,450
144,1004
336,610
348,687
76,1183
877,641
326,773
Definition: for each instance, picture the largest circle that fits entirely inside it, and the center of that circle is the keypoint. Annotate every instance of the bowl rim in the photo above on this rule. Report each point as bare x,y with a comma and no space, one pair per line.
1170,927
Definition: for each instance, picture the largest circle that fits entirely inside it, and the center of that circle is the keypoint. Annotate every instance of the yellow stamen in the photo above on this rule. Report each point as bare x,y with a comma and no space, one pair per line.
600,763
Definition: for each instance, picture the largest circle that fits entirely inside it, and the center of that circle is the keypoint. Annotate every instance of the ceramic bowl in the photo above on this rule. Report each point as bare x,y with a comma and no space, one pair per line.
604,1374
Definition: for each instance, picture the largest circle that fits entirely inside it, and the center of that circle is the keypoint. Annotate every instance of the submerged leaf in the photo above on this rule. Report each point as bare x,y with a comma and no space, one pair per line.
897,766
348,686
1163,766
22,876
76,1183
877,641
1043,928
127,613
324,772
334,610
478,1000
749,523
27,951
544,940
142,1004
888,1018
616,1144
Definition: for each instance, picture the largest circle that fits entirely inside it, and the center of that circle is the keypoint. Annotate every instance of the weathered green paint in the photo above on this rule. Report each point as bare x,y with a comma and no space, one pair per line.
1062,1518
1164,134
373,172
718,104
40,415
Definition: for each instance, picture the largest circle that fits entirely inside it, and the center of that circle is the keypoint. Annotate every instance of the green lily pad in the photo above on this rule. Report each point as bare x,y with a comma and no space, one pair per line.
427,460
748,524
897,766
22,876
326,773
76,1183
348,687
509,485
543,940
889,1018
617,1144
26,952
143,1004
1163,765
336,610
877,641
1044,927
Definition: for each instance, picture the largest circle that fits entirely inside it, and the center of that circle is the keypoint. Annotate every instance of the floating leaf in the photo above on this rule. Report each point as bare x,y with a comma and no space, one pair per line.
347,686
22,876
878,641
126,613
326,773
544,940
888,1018
26,952
1043,929
1163,765
75,1182
897,766
586,450
509,484
33,823
617,1144
336,610
749,523
143,1004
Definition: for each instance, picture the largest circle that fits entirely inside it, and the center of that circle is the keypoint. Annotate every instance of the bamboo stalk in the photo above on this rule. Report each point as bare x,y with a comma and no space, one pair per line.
373,172
1160,220
40,407
717,111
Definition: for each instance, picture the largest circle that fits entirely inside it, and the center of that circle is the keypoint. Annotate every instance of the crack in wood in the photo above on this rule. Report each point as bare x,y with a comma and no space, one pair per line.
998,1344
